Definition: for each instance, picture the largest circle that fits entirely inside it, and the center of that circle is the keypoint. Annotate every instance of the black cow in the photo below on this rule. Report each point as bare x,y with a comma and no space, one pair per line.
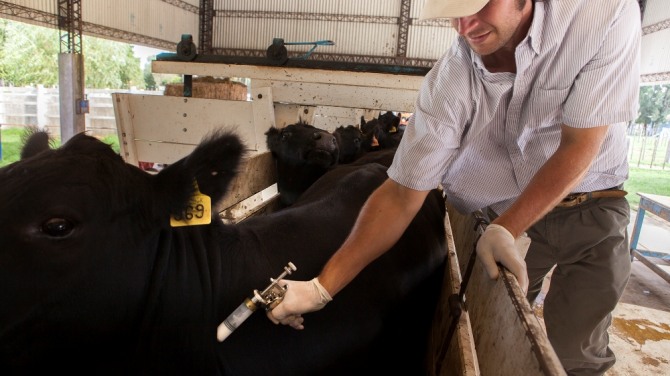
94,280
385,130
351,142
302,154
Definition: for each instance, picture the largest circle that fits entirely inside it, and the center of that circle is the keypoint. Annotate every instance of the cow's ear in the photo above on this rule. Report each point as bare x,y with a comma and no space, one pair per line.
395,122
213,165
35,141
272,138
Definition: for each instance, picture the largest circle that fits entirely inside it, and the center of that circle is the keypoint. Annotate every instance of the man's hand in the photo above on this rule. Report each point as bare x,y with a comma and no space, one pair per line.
498,245
301,297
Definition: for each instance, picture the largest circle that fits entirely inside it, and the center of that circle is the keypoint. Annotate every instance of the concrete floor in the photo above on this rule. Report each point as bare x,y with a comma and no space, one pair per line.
640,331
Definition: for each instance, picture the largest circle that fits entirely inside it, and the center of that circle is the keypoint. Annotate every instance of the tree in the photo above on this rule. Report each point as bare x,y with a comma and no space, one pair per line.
111,65
654,105
29,56
149,80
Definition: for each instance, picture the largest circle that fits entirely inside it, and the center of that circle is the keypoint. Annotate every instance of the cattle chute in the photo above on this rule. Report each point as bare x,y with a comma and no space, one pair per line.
328,99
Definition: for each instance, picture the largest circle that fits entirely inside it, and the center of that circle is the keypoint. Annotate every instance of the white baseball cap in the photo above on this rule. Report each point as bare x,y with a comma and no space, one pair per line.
450,8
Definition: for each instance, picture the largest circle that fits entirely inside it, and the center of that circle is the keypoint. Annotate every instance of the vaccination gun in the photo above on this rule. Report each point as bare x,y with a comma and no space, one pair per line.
269,298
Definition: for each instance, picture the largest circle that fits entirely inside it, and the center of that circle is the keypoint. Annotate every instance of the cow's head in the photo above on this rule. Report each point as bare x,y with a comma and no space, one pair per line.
76,225
384,130
389,121
87,179
352,143
302,153
301,144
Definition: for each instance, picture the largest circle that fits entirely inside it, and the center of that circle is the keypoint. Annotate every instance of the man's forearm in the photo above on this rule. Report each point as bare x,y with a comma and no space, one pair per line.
380,223
557,177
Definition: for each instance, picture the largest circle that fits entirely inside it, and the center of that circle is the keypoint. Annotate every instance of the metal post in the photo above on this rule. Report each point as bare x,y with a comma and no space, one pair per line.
69,90
71,80
206,26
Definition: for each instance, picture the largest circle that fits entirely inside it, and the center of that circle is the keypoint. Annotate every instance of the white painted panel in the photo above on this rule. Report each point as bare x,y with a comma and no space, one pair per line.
376,80
149,125
655,54
182,120
429,42
162,153
345,96
656,11
286,114
330,118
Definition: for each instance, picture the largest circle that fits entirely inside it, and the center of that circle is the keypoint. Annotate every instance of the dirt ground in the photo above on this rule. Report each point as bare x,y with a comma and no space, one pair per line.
640,331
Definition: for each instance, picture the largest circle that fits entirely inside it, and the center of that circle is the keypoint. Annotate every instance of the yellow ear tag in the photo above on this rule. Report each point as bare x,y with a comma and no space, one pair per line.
198,212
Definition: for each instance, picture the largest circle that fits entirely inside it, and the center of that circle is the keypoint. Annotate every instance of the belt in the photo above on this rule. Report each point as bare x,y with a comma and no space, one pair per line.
577,198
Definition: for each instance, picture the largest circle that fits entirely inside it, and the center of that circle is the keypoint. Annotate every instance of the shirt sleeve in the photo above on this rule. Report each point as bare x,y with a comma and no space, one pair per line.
435,130
609,82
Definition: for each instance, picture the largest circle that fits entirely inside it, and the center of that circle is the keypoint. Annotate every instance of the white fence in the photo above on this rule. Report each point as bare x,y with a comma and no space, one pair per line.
40,106
649,147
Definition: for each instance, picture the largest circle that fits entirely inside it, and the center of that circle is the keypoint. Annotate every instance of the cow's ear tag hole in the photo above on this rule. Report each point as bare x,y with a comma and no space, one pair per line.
198,212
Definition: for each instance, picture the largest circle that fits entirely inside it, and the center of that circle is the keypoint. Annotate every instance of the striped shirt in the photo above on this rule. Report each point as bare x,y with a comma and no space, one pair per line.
484,135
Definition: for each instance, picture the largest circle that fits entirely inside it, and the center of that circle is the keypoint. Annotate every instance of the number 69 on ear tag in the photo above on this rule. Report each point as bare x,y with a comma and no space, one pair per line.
198,212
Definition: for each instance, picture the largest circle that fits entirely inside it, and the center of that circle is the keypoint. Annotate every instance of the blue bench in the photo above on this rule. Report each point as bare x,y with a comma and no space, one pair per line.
660,206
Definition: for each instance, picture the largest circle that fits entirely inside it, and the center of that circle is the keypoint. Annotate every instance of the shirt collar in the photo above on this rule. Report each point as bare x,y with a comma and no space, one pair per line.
536,27
533,39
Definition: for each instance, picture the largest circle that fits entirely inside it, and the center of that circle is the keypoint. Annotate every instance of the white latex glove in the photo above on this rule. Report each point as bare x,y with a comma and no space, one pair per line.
498,245
301,297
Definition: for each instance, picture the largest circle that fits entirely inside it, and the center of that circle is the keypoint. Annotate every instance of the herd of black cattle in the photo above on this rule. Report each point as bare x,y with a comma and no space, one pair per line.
94,279
304,153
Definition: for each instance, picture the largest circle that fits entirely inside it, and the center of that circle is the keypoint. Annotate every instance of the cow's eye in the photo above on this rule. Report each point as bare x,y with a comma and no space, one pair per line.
57,227
285,136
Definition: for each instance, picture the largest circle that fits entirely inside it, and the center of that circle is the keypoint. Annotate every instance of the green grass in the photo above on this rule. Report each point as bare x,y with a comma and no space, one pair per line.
644,180
11,143
112,140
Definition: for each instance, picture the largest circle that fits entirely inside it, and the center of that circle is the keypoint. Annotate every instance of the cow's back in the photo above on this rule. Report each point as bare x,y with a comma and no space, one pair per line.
95,280
382,320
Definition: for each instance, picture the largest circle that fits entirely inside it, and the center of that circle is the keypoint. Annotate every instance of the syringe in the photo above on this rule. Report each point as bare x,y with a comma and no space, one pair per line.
268,299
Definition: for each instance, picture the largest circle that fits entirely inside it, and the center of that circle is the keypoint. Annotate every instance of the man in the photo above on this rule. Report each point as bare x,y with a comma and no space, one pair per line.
528,107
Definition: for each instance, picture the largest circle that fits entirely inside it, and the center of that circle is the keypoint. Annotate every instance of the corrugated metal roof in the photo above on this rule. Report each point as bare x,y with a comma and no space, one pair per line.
154,19
382,29
154,23
371,31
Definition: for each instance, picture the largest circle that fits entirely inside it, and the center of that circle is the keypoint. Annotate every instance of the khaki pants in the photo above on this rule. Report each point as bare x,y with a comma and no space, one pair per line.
588,243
